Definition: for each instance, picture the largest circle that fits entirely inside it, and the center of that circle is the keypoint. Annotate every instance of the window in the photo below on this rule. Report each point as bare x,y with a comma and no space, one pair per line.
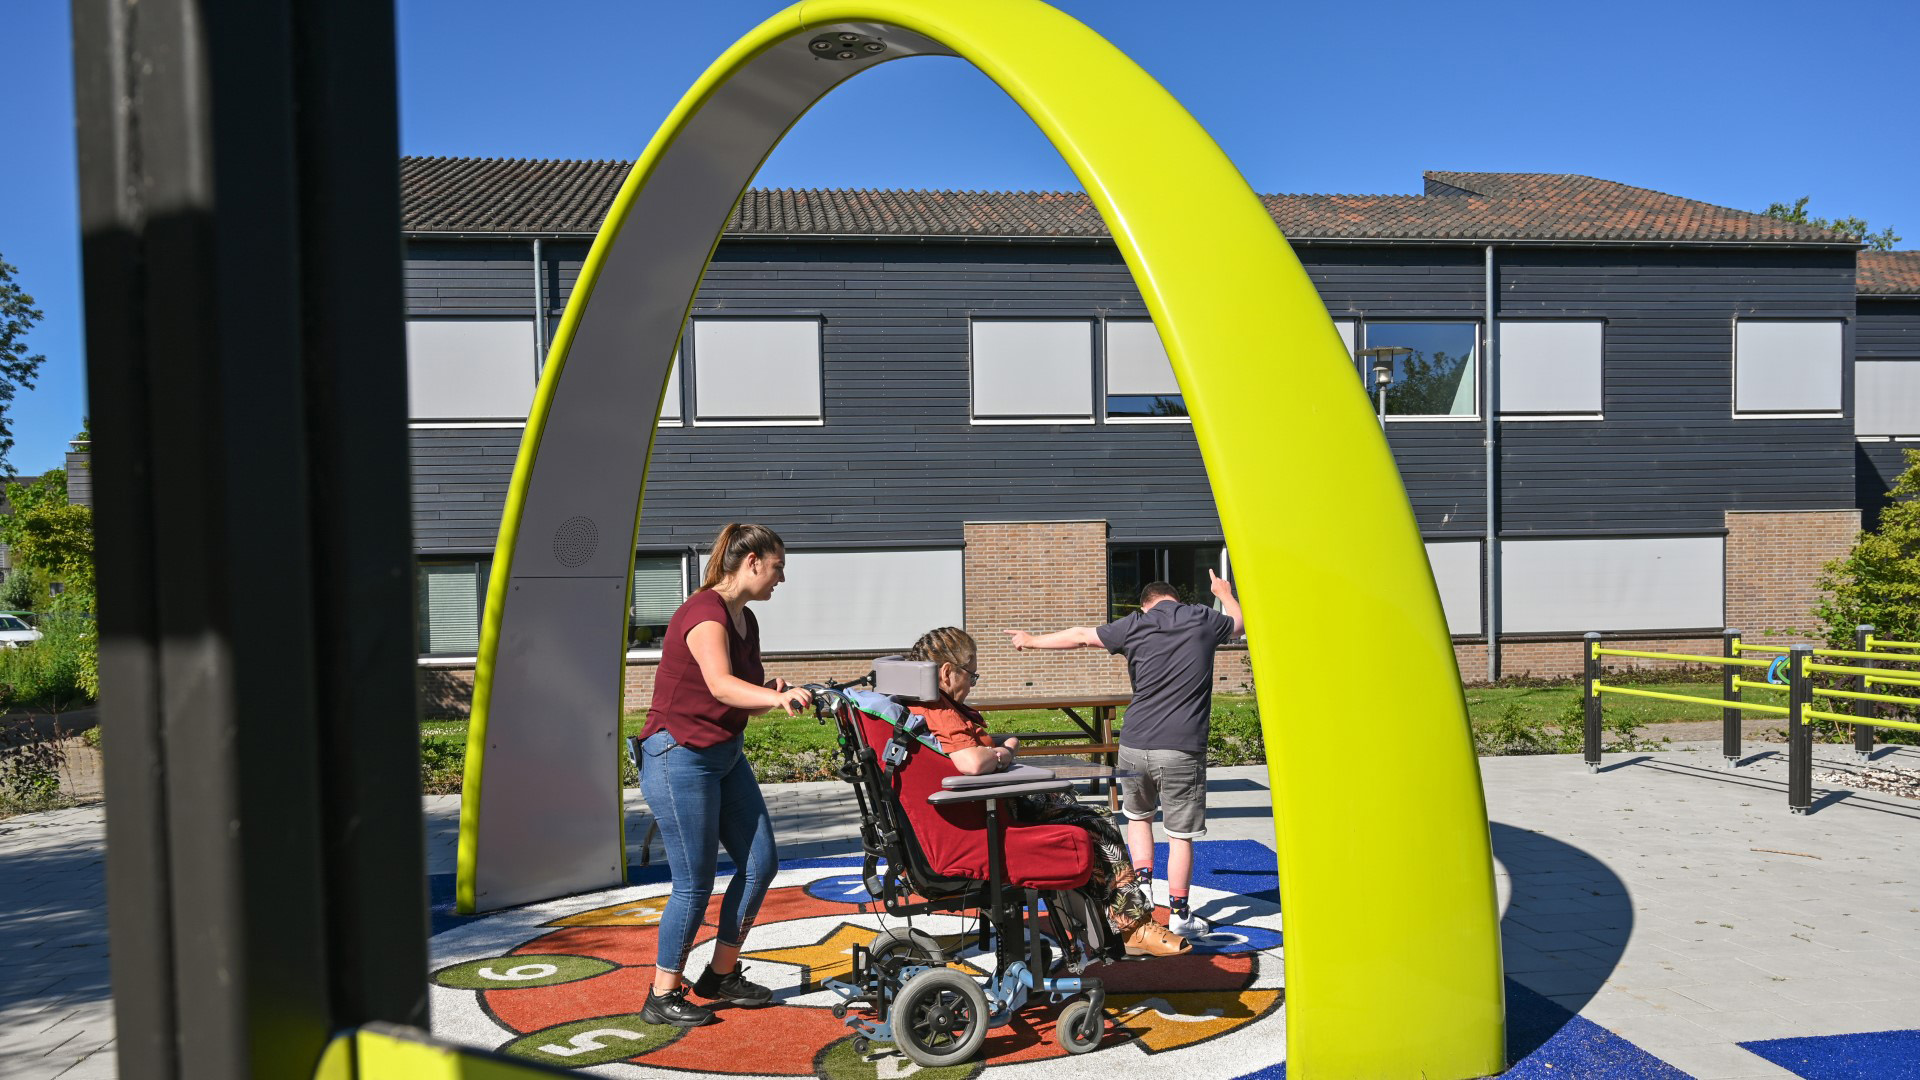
670,413
1550,367
1786,366
470,369
1140,382
873,601
1032,370
451,593
659,588
1130,567
1438,377
1456,570
756,370
1886,395
1349,333
1573,586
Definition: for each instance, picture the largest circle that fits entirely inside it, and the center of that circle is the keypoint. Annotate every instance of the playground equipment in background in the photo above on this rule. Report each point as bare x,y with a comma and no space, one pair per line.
1789,671
1391,909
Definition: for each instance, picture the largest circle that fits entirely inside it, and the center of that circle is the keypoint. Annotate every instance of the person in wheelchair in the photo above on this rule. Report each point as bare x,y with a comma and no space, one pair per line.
963,737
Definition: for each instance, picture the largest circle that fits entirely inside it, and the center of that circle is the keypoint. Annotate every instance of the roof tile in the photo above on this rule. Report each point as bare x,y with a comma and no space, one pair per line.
1889,273
506,195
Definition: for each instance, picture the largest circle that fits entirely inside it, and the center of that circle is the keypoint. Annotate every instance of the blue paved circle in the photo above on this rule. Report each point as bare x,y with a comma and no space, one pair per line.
843,889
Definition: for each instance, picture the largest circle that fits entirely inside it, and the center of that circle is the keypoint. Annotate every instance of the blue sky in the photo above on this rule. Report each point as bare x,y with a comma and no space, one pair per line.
1740,104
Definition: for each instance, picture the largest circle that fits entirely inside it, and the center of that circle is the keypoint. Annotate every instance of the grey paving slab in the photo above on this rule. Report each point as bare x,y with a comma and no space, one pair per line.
1668,898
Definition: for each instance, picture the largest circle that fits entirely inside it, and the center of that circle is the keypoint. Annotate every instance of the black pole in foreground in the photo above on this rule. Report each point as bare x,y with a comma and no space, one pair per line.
1729,718
1799,735
1863,733
1590,740
239,200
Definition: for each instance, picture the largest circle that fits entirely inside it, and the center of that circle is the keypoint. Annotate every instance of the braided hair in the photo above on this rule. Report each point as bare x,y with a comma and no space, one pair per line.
946,645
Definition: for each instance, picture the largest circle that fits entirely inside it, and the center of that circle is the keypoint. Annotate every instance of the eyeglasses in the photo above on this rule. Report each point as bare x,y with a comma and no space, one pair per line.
972,674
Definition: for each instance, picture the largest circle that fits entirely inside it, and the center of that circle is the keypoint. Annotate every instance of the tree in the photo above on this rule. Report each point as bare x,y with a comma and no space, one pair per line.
1852,226
17,366
1878,583
26,499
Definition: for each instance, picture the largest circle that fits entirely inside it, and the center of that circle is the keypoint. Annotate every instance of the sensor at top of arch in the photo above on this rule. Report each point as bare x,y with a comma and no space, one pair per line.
844,45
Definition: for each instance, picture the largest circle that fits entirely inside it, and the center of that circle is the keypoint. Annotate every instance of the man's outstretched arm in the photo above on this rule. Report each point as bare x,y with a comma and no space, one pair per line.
1229,604
1073,637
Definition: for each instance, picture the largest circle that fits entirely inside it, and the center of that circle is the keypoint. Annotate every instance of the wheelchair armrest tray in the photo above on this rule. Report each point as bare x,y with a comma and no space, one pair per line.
982,794
1017,774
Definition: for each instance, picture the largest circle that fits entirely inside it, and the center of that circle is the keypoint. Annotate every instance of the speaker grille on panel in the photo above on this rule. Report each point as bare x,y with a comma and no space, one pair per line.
575,541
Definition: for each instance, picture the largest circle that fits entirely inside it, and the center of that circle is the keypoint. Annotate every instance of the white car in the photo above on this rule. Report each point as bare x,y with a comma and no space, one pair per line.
14,632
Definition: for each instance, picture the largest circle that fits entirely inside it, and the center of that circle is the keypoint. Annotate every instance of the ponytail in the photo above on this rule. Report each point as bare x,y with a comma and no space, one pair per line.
732,547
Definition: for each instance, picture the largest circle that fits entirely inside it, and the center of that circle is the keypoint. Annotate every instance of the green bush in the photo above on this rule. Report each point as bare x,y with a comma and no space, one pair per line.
56,672
778,757
30,770
1515,731
1234,738
442,764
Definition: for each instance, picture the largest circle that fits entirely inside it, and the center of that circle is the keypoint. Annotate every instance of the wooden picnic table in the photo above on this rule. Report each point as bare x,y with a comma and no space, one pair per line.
1096,729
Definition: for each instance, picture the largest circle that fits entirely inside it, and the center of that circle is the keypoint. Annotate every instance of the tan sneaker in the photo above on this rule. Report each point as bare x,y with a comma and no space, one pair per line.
1151,939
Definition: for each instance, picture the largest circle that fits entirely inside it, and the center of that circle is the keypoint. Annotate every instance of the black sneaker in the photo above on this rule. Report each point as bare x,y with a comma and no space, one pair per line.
733,987
673,1008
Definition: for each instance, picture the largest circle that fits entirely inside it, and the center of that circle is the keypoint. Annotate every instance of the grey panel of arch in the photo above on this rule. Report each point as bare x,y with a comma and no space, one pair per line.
547,822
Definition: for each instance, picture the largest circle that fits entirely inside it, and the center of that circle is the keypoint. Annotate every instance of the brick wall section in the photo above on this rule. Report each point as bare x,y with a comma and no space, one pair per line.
1038,576
1773,566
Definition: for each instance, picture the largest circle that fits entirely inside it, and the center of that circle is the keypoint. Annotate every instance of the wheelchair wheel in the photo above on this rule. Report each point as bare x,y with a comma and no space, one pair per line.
1079,1028
908,947
940,1018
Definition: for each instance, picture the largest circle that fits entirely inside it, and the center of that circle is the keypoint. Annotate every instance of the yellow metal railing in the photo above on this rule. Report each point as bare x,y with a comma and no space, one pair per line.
1686,657
1748,706
1873,641
1876,674
1864,721
1850,654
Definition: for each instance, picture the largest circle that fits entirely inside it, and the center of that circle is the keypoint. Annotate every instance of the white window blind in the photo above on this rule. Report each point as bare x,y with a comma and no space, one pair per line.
1137,362
670,402
450,599
659,587
1791,367
1349,333
470,369
1550,366
861,600
1032,369
1456,570
1886,395
756,369
1662,583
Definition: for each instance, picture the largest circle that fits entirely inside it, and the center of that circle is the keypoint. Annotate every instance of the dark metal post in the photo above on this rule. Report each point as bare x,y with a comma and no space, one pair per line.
1862,733
1799,735
1591,739
240,223
1729,718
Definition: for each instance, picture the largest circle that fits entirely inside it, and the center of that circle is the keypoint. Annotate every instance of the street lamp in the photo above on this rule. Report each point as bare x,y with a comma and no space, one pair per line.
1383,358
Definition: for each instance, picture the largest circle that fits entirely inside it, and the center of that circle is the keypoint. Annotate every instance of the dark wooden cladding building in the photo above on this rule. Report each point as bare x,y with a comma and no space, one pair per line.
953,407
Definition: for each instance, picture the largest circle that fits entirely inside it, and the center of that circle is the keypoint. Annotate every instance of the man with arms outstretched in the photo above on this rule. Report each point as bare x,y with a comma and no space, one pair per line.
1169,648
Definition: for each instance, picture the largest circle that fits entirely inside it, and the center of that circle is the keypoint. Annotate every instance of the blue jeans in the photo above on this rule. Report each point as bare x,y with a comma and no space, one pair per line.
705,800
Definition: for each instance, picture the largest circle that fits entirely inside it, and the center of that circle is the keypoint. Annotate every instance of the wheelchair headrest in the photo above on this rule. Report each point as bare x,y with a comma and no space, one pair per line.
907,680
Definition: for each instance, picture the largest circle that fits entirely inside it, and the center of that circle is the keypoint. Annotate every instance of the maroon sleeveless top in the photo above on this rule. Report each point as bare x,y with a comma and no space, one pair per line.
682,704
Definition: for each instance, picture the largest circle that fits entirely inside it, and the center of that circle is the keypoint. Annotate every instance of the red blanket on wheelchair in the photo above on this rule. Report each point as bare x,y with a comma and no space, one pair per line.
953,837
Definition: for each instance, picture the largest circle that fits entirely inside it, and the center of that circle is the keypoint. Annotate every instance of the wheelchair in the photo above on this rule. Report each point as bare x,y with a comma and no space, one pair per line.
938,841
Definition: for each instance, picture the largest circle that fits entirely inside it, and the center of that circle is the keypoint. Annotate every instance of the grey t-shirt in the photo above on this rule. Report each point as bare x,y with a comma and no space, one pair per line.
1169,650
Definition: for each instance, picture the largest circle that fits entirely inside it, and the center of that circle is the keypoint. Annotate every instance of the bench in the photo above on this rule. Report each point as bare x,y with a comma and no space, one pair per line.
1095,737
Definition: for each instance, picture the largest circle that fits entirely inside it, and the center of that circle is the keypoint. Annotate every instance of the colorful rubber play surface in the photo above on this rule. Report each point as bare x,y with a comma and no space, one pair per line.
563,982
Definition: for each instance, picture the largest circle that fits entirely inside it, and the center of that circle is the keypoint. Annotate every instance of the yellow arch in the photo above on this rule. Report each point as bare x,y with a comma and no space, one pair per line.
1392,943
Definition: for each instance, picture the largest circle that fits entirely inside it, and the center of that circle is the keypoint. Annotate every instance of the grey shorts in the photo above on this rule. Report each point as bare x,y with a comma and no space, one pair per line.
1173,780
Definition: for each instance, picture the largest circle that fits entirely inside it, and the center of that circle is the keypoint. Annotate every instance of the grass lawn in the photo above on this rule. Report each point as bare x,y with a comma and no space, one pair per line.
1545,704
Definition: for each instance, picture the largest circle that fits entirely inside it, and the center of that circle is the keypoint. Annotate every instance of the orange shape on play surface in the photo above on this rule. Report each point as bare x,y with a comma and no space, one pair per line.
1169,1021
532,1008
774,1041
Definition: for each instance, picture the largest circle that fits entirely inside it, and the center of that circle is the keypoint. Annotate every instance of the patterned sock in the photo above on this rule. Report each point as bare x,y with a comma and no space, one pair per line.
1177,903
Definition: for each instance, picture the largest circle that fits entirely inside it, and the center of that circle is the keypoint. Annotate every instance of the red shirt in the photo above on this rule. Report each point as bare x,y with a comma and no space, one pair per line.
956,726
682,704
